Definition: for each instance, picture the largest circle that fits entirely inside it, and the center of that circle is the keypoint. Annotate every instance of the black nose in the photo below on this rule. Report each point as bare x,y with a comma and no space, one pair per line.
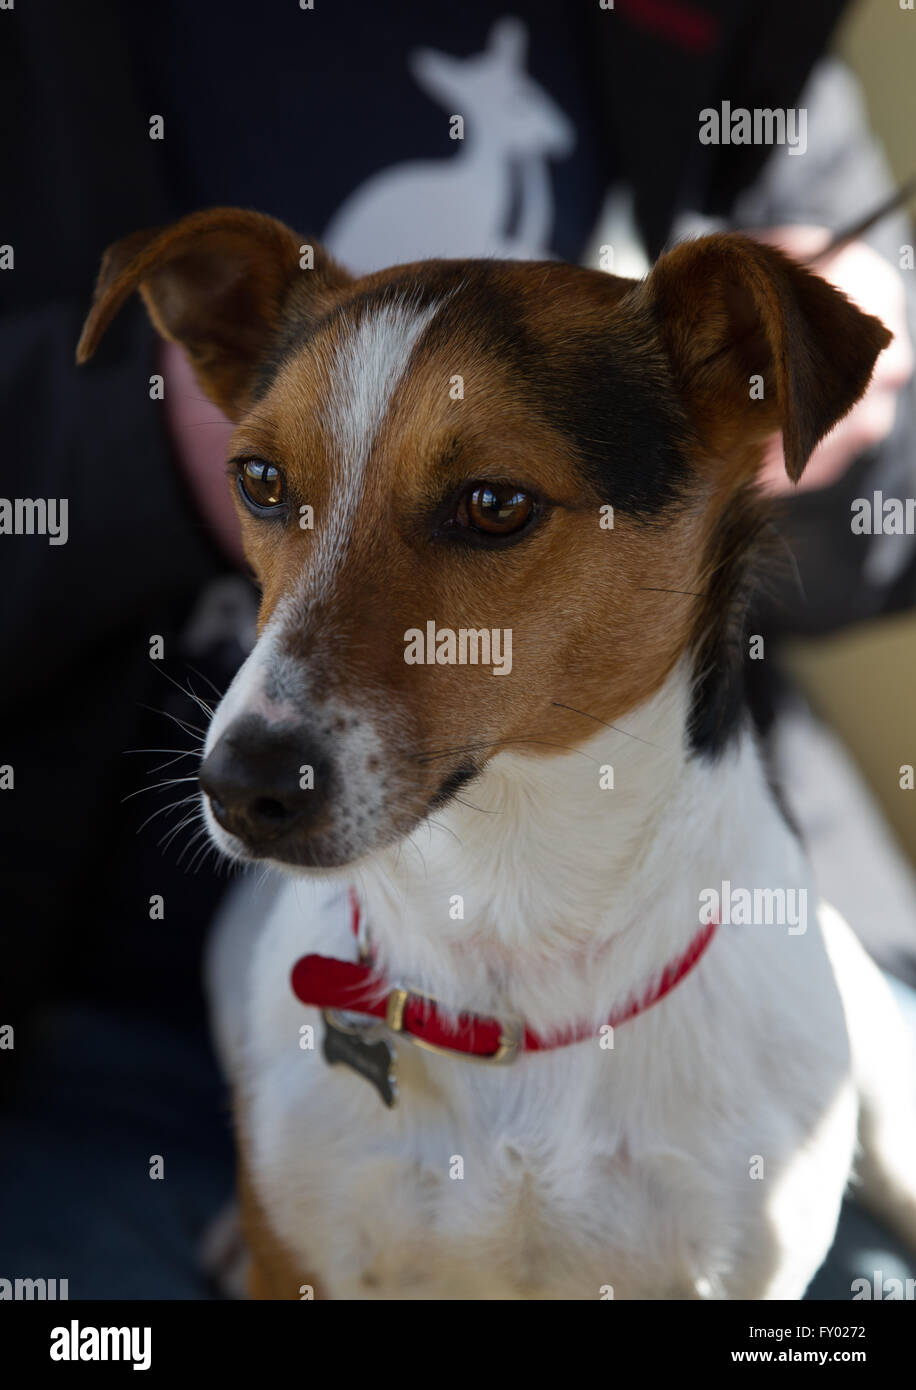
264,781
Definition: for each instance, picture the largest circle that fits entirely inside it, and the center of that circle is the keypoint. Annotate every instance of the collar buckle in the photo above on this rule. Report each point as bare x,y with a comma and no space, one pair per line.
510,1039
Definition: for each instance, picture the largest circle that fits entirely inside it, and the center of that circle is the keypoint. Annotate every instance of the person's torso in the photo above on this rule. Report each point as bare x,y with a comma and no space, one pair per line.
393,133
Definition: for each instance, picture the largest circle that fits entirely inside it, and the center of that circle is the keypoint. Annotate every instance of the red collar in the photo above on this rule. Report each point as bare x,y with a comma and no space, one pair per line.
324,982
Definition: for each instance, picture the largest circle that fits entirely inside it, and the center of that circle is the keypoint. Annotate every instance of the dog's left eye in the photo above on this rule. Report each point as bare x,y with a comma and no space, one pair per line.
495,509
261,485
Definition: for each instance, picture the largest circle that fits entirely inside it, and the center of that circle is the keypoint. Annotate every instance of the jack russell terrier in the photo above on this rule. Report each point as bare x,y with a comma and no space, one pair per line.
498,1036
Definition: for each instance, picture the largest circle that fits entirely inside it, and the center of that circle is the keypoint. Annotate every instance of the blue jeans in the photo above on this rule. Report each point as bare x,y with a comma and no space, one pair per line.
101,1096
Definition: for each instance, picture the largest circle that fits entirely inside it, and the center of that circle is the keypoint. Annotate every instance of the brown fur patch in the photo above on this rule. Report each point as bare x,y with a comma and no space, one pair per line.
729,307
273,1274
217,283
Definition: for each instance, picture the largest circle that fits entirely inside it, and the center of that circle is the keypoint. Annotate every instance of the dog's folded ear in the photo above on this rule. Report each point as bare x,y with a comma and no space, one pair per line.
758,343
220,283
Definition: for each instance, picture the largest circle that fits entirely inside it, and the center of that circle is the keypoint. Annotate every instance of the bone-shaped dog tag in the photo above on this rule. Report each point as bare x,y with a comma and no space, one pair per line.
362,1049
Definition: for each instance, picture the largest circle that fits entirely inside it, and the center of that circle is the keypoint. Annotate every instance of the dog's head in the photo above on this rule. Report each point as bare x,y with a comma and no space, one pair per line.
489,504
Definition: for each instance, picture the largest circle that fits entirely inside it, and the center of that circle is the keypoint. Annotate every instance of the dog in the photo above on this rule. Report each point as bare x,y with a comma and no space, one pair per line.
484,1044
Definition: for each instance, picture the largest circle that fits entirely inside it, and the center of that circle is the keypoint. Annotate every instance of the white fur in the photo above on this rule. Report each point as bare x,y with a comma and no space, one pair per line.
248,693
364,374
583,1167
277,687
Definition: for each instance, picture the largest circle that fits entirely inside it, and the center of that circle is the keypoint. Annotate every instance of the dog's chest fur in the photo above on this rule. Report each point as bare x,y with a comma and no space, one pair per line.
586,1169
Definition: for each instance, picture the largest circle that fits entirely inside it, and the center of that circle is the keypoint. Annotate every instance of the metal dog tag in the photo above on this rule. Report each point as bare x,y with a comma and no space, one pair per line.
361,1048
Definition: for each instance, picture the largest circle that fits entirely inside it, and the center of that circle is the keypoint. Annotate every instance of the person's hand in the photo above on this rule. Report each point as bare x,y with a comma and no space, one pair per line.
875,286
200,435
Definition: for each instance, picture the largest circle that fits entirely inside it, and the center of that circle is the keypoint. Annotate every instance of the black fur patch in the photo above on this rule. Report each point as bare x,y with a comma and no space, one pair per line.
720,644
609,392
625,432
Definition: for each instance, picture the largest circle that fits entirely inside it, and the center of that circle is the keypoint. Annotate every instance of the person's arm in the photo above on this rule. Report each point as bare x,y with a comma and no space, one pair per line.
842,175
873,283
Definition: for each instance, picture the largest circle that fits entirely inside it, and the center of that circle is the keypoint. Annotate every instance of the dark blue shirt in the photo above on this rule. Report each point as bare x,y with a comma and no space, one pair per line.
339,121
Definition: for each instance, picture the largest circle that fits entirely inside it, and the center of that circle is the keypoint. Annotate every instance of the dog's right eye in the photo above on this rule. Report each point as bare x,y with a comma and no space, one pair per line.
261,484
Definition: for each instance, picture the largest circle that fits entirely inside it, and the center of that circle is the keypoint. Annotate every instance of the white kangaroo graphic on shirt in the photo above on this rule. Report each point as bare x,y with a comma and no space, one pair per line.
461,206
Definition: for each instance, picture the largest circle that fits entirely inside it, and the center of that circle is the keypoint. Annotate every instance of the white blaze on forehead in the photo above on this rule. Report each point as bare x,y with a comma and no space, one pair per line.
364,372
